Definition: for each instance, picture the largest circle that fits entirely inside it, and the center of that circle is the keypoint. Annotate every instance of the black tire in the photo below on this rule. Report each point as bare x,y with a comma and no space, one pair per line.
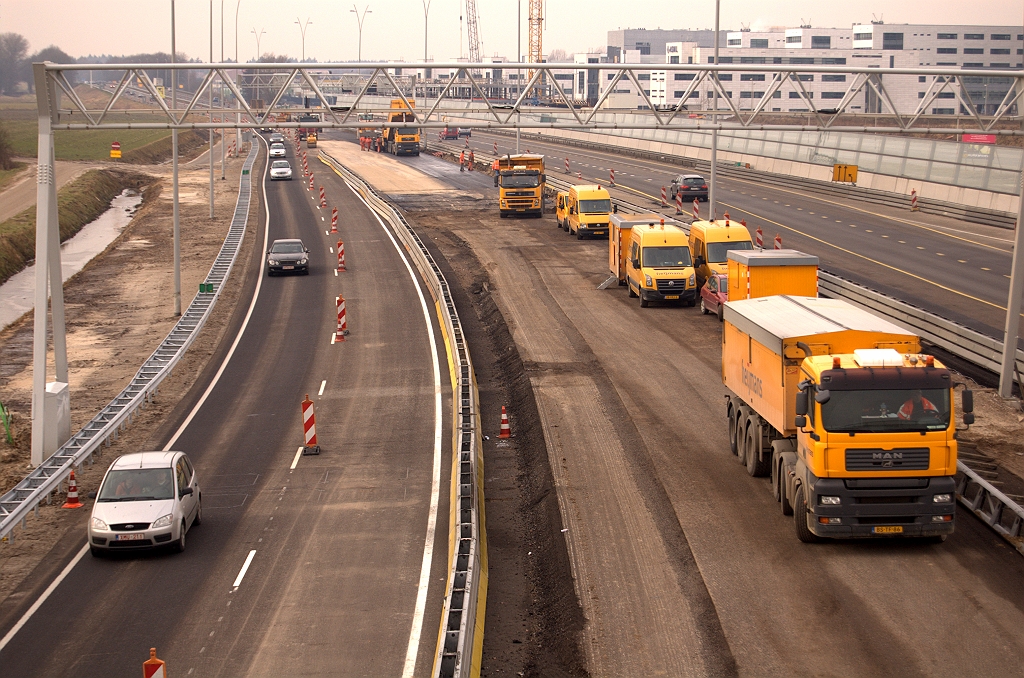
733,423
787,507
703,309
179,546
199,512
721,313
644,303
741,435
800,514
632,294
757,465
96,553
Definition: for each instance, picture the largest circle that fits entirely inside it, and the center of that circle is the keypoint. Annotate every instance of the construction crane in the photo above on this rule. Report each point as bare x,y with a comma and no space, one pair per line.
536,53
474,35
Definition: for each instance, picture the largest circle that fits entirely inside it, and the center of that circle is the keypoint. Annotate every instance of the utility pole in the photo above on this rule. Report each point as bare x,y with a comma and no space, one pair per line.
258,56
223,131
174,176
426,71
238,104
210,109
359,20
302,29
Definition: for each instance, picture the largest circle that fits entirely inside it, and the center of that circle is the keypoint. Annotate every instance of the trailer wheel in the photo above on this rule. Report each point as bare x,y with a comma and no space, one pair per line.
757,465
733,416
800,514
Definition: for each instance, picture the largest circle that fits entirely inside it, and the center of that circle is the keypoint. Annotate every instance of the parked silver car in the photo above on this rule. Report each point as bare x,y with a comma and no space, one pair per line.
146,500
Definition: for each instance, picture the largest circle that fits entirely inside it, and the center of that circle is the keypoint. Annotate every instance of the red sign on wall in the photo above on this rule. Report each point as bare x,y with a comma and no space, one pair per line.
978,138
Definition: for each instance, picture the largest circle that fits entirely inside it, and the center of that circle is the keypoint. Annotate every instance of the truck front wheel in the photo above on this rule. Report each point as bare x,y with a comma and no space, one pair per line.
800,515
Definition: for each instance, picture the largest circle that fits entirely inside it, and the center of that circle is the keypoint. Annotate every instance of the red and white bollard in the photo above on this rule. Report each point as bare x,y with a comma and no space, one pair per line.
341,257
342,319
664,195
334,220
567,165
311,181
72,501
696,210
310,445
303,157
323,198
505,431
495,148
611,172
913,200
778,241
579,175
759,237
467,143
154,667
679,203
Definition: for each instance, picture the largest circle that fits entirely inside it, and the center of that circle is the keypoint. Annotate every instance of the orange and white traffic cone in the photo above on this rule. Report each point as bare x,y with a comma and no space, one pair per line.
505,432
72,501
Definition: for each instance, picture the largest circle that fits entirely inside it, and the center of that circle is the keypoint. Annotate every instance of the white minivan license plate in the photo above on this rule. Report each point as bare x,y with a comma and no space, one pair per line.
129,537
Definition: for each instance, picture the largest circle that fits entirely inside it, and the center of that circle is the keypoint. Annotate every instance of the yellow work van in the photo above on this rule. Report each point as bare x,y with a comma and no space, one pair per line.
562,209
588,209
710,242
658,265
621,226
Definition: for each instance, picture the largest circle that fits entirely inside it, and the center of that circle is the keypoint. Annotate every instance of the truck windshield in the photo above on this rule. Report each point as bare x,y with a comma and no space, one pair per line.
595,206
877,411
667,257
408,130
520,181
717,251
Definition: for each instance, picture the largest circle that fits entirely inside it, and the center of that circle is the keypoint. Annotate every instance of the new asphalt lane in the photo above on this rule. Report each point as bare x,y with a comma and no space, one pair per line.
307,565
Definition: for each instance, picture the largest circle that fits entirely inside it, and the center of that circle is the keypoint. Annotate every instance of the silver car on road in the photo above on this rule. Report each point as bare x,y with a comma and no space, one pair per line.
146,500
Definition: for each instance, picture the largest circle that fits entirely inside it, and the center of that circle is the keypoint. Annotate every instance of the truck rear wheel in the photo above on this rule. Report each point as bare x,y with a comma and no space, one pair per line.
780,489
733,415
757,465
800,515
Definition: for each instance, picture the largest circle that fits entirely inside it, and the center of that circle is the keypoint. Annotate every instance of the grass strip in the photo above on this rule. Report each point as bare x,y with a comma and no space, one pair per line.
78,203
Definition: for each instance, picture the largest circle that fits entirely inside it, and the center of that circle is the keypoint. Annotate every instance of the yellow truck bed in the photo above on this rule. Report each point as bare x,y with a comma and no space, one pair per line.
760,353
763,273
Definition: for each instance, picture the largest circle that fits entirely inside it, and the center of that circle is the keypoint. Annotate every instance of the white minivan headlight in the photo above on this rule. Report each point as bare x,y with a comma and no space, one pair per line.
162,521
98,524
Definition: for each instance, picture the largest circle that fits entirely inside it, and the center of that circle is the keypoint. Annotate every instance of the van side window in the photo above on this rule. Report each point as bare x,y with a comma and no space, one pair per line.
633,249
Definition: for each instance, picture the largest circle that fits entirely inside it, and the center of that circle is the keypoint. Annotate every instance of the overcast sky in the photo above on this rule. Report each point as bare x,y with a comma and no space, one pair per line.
394,28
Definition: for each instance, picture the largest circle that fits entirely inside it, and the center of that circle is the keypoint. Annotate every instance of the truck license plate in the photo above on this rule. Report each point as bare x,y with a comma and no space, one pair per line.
888,529
129,537
671,296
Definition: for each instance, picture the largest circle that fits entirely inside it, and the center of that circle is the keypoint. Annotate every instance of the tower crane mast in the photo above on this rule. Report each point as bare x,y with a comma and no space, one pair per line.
474,35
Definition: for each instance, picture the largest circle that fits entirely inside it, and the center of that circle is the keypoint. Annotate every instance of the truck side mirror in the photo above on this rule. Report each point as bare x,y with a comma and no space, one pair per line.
967,401
800,421
822,396
801,403
968,418
543,178
699,261
615,208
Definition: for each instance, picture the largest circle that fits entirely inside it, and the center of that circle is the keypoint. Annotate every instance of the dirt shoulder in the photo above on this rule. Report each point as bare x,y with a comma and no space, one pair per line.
119,308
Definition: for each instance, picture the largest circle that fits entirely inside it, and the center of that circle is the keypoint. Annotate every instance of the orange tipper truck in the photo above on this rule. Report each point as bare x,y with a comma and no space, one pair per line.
520,181
855,426
405,139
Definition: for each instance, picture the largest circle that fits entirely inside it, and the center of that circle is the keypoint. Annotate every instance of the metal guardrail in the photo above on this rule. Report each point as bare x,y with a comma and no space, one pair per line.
978,215
461,633
48,477
979,349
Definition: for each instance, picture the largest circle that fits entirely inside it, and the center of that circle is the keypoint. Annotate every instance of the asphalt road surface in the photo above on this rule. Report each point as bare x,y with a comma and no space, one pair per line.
683,563
338,540
956,269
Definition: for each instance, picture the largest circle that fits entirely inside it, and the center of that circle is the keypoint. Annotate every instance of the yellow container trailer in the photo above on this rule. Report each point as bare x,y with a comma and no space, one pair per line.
854,424
762,273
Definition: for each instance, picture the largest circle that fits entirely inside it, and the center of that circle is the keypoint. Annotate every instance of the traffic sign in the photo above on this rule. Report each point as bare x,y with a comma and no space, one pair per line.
115,149
844,173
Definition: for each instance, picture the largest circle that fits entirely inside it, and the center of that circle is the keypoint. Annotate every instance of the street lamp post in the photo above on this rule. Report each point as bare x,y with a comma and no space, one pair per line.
359,19
223,131
258,55
210,110
712,212
238,104
302,29
426,12
176,228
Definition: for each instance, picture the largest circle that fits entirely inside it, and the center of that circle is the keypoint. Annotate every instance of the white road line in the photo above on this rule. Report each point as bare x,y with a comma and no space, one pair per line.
42,599
295,461
245,567
334,335
435,481
322,385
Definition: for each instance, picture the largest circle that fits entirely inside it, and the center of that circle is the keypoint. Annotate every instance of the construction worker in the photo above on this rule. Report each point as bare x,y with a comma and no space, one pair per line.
472,158
462,161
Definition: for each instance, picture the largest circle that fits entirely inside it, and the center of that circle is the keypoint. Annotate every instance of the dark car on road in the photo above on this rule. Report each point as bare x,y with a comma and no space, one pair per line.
277,138
714,294
690,186
287,256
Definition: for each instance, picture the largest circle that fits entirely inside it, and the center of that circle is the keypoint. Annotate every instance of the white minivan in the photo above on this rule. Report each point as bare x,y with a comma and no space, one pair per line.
146,500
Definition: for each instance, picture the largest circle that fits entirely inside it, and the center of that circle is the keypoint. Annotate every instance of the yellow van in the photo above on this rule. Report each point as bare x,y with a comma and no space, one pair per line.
562,209
658,265
589,208
710,242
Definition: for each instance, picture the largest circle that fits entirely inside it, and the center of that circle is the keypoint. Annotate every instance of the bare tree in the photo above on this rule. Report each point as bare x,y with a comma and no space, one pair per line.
558,56
13,48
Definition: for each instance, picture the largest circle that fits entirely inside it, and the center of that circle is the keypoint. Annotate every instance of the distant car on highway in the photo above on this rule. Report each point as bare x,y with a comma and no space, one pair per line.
146,500
277,151
280,169
465,132
287,256
277,138
448,133
690,186
714,294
